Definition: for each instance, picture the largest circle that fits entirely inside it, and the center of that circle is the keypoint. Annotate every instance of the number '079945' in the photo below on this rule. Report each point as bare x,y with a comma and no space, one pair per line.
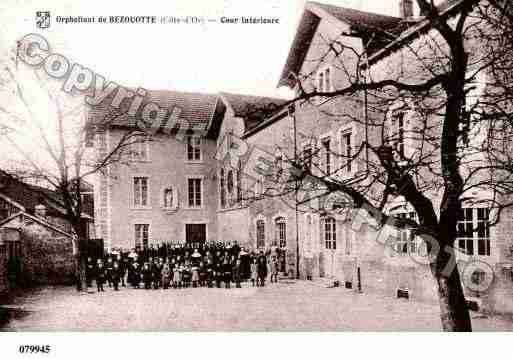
34,349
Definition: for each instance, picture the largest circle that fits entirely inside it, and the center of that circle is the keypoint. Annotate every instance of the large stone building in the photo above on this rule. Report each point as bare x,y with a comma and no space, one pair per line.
190,188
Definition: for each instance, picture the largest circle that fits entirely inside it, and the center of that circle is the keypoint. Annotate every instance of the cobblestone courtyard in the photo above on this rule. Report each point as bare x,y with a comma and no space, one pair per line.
289,306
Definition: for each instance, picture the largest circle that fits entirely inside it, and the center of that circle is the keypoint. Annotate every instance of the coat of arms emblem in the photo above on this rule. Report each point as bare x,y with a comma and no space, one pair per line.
43,19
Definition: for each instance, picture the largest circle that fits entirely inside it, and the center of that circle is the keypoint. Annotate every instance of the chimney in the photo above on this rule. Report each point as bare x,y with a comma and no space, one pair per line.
406,9
40,210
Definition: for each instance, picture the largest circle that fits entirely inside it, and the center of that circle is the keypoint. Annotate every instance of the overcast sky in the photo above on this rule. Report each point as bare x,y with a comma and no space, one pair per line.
206,58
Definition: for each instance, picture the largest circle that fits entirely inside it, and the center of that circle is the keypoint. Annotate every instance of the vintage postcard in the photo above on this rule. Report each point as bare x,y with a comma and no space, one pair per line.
273,166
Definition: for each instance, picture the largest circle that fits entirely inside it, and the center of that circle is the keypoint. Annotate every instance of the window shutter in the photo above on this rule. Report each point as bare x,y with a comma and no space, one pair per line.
175,198
131,193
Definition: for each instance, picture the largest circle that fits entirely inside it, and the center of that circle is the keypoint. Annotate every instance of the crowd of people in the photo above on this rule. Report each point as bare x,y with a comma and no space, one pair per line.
181,266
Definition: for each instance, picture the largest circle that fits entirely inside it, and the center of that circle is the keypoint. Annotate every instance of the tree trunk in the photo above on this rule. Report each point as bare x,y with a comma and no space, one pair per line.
80,259
80,263
454,312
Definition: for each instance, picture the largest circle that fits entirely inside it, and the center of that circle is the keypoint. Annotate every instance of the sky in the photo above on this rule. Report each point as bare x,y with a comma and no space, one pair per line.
214,57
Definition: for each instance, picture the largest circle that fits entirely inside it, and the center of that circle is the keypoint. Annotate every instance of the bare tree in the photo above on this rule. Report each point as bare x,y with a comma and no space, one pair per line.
453,81
47,137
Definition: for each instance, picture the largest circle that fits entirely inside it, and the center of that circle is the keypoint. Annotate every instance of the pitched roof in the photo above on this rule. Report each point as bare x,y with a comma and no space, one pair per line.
360,18
197,109
22,216
29,196
253,109
447,9
381,28
377,31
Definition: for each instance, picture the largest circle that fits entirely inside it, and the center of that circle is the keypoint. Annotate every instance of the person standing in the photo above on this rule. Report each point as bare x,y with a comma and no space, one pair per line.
237,273
157,273
108,270
136,275
177,276
210,272
166,274
274,269
146,275
89,272
195,274
227,270
100,276
254,272
218,273
262,270
116,274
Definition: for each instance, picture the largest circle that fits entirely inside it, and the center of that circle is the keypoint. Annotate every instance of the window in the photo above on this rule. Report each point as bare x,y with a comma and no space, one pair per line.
140,150
260,233
280,232
222,188
406,242
347,152
141,235
326,145
193,148
194,192
329,230
260,186
474,231
141,192
324,80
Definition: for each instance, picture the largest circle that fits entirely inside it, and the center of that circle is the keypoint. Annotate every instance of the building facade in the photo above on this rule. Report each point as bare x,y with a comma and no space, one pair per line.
191,187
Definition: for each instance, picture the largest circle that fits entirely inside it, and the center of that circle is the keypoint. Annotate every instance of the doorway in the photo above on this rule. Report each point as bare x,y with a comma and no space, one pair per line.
195,233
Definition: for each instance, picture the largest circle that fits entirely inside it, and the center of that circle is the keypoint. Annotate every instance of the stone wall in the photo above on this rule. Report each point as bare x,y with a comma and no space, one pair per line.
47,256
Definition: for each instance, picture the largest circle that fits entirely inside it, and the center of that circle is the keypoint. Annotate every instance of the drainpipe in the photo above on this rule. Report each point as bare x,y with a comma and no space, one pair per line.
292,114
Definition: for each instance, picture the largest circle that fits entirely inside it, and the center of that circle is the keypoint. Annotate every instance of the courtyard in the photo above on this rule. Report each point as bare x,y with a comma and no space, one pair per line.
286,306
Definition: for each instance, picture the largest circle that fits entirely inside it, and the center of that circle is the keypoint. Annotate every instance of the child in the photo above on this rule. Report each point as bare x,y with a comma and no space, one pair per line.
146,275
157,273
108,268
115,275
136,275
186,274
274,269
202,274
227,269
254,272
210,272
237,273
100,276
195,275
166,275
218,273
177,277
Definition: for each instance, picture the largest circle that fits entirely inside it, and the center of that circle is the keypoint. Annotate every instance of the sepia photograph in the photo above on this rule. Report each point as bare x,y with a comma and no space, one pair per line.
275,166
